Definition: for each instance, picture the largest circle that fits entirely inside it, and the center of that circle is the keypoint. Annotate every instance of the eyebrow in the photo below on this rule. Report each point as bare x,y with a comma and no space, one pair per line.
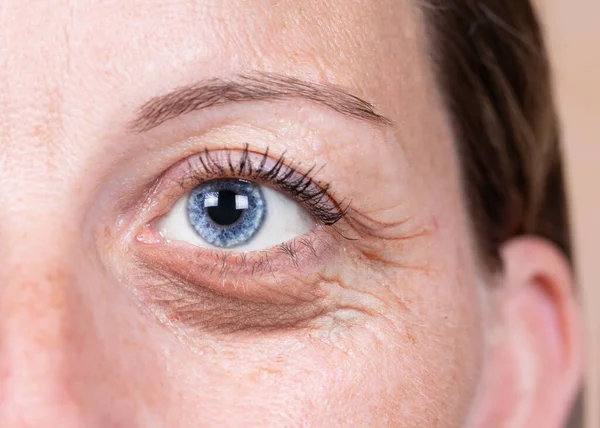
257,86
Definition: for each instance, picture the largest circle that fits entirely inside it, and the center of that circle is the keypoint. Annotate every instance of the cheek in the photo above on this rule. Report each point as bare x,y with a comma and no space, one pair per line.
392,368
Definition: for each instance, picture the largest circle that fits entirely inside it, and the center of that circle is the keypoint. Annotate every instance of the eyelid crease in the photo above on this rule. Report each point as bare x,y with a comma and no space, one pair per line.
406,228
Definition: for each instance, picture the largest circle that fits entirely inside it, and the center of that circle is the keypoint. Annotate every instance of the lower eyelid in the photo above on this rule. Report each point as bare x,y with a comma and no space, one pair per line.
258,275
174,300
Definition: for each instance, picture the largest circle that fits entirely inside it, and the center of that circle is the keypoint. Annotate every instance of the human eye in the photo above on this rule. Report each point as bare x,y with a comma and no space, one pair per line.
244,202
247,225
235,215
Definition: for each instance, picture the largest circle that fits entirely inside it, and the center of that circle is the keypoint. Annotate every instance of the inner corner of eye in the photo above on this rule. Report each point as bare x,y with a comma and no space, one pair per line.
237,215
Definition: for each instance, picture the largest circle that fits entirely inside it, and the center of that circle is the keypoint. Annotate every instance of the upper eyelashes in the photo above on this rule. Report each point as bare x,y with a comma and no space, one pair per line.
313,195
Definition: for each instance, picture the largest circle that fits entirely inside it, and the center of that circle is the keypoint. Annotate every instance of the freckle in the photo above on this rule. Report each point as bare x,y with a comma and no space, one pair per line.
411,337
262,373
271,371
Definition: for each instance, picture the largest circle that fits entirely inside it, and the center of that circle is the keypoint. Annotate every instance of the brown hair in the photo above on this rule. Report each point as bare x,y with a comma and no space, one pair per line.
494,77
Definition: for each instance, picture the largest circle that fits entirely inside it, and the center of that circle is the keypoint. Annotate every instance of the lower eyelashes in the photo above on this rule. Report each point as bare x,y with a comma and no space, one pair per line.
275,275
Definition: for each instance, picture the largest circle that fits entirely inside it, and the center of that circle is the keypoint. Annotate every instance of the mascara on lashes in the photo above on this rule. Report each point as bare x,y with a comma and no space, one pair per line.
312,194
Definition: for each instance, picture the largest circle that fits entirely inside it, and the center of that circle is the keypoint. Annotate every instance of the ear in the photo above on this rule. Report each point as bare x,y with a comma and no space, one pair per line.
533,365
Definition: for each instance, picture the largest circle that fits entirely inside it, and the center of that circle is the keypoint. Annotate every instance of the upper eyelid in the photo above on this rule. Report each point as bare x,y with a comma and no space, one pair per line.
315,195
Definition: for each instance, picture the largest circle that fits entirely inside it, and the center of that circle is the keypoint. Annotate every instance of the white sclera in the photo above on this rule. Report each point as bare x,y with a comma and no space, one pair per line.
284,221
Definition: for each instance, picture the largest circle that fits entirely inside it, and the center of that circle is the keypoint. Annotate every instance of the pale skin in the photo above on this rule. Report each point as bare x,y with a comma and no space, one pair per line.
104,322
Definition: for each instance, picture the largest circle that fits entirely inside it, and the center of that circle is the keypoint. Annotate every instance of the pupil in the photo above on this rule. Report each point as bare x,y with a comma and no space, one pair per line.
225,212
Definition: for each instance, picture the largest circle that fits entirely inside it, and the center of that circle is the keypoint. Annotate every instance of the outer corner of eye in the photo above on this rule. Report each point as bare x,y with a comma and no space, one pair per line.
236,215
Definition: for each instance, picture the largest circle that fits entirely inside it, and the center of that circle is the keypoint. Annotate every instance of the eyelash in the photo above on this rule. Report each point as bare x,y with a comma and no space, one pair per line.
313,195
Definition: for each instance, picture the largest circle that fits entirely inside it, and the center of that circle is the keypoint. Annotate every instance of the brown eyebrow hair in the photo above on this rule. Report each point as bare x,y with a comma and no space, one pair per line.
257,86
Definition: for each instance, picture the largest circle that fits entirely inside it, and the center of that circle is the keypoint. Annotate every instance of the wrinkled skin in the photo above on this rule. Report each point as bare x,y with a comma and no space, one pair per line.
394,323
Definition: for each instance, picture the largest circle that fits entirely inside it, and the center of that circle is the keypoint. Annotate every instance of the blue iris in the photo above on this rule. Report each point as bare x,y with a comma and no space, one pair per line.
227,213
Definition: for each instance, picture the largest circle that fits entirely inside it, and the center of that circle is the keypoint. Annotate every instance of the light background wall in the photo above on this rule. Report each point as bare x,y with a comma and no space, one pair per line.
573,31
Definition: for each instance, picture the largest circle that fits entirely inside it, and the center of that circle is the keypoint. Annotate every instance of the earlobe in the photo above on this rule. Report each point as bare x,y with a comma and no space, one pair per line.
534,364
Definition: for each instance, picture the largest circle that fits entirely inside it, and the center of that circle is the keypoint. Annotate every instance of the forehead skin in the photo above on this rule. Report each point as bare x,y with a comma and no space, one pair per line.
68,50
72,76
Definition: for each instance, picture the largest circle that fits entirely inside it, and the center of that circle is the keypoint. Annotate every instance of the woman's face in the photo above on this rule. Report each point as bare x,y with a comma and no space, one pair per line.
336,287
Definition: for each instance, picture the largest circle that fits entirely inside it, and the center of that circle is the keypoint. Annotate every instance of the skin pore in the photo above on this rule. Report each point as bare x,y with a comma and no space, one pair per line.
386,318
